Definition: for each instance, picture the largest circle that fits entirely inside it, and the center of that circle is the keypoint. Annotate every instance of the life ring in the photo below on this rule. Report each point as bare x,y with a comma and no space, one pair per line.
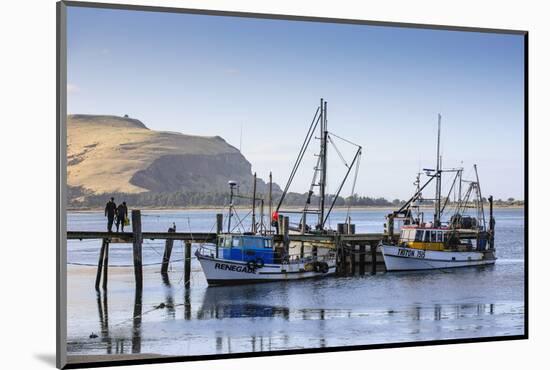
259,263
251,265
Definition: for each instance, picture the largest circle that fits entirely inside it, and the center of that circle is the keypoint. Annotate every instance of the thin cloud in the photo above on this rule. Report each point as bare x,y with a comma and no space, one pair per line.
72,88
231,71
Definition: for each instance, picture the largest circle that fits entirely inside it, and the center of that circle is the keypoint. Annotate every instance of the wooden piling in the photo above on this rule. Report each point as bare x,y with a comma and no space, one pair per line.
373,258
187,267
136,321
340,257
345,254
105,265
219,223
168,245
100,265
362,259
285,234
353,259
137,248
219,227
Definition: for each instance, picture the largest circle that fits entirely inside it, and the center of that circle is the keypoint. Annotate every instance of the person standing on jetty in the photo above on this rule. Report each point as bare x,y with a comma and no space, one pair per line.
121,216
110,210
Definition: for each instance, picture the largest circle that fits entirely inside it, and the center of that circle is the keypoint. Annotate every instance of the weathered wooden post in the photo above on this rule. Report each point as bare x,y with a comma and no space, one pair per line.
105,265
167,252
491,225
187,267
353,261
280,224
136,324
345,255
100,264
137,248
373,257
285,235
362,259
187,305
219,227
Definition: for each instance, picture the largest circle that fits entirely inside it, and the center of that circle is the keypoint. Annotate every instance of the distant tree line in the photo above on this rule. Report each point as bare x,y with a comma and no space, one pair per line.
81,199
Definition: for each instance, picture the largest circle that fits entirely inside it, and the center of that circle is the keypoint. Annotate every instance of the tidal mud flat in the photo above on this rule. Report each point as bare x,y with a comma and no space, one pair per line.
168,319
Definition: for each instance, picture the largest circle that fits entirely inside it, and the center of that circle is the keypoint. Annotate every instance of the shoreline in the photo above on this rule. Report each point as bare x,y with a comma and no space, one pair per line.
223,208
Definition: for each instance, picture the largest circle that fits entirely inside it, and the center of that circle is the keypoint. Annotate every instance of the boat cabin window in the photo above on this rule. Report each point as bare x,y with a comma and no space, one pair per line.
439,236
419,234
224,242
427,236
267,243
236,242
433,235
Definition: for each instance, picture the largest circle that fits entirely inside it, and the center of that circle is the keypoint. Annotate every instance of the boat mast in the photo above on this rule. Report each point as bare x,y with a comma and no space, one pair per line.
253,228
232,185
460,186
480,198
270,200
437,216
323,155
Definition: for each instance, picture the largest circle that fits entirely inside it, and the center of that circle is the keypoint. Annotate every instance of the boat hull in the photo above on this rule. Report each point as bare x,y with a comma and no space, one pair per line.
405,259
227,272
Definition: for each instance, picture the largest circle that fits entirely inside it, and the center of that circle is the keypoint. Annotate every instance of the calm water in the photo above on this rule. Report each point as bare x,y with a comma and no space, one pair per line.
382,308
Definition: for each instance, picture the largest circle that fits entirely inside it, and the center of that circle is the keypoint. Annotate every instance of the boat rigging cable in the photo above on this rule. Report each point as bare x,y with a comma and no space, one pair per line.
321,116
309,135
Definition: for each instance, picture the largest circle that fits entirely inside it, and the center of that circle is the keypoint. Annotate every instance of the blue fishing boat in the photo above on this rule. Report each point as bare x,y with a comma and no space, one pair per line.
265,253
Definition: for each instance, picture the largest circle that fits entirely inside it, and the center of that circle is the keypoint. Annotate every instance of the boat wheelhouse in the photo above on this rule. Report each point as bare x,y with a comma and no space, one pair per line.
248,248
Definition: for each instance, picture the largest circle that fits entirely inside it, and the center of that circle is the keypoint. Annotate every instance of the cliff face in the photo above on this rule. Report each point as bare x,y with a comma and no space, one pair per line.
110,154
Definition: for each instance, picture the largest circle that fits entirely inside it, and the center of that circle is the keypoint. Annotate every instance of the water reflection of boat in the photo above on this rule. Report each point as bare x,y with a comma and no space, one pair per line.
227,303
251,257
463,241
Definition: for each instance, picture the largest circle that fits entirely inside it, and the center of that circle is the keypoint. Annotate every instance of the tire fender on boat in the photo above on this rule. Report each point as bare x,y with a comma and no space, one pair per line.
317,266
259,263
251,265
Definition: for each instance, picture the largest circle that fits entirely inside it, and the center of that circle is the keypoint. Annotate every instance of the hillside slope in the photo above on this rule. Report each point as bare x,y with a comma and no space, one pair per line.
110,154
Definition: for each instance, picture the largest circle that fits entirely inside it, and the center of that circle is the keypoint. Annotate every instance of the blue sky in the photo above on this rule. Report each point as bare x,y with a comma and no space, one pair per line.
210,75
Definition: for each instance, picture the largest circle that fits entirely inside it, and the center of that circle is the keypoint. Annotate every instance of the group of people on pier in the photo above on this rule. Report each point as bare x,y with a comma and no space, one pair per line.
117,215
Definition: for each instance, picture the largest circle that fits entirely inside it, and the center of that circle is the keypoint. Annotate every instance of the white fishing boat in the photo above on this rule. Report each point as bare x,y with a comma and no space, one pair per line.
265,253
465,240
242,259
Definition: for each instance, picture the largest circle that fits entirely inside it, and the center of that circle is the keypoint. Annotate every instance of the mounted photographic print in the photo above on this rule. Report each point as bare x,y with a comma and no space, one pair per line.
235,184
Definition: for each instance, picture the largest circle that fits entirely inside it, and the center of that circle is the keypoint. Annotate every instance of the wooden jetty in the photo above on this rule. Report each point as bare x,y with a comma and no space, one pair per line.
357,252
